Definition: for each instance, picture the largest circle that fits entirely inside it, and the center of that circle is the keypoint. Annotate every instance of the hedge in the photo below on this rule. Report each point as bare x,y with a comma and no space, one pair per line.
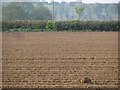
74,25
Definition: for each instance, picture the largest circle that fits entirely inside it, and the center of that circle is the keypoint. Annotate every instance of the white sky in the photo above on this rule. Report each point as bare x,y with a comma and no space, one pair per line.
89,1
84,1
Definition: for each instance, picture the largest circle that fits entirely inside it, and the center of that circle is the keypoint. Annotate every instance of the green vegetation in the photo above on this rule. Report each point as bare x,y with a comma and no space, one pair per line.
76,25
79,11
63,11
25,11
50,25
34,17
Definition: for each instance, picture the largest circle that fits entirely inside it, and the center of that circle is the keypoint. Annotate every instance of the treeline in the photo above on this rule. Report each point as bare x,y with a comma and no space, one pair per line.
25,11
62,11
75,25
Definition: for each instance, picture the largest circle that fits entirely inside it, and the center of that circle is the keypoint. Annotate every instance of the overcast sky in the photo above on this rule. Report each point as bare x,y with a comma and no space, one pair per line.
84,1
90,1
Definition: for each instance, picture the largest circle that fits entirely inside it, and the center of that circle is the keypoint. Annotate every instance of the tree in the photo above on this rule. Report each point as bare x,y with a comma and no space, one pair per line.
42,13
25,11
28,9
79,11
12,11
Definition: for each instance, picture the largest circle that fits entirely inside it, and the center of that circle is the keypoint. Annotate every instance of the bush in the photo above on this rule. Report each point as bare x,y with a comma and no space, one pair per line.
75,25
50,25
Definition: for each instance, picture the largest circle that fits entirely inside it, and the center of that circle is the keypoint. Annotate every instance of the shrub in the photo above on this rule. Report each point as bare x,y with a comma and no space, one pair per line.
75,25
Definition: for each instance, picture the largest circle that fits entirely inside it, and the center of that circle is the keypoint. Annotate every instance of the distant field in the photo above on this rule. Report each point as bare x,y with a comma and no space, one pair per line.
60,59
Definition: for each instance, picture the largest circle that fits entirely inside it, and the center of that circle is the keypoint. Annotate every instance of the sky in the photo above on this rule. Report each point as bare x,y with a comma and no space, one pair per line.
84,1
90,1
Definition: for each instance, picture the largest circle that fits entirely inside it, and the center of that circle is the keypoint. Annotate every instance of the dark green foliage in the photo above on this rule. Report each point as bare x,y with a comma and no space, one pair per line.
62,25
76,25
25,11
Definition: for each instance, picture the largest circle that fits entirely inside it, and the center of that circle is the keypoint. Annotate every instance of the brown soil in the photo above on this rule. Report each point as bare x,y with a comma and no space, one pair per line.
60,59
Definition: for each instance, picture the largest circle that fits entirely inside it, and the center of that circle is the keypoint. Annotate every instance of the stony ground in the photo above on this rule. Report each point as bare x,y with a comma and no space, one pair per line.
60,59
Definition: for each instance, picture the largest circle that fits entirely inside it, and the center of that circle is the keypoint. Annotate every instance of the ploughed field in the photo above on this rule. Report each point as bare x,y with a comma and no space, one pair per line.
59,59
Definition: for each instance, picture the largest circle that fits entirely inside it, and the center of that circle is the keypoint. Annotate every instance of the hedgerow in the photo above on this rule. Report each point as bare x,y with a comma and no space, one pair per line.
75,25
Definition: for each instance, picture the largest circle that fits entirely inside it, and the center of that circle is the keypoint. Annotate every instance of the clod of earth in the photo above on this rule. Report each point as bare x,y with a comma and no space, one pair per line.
86,80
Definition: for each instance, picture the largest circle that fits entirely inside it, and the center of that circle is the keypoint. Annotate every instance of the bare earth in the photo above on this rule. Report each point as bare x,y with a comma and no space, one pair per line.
59,59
